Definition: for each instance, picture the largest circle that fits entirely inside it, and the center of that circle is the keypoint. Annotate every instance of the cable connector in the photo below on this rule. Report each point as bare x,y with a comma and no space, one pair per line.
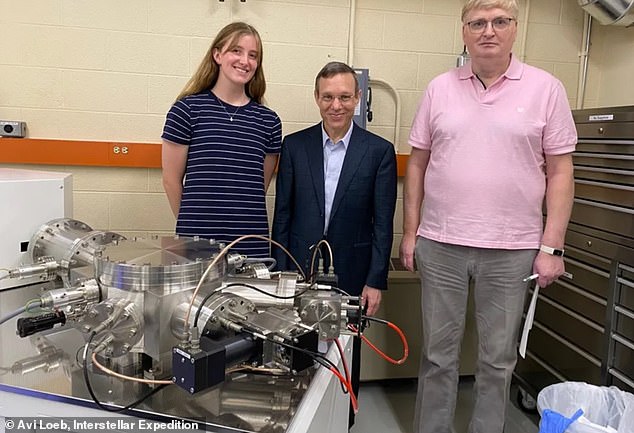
329,279
194,339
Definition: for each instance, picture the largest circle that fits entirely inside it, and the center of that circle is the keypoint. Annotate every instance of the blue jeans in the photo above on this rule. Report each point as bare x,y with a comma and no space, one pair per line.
499,296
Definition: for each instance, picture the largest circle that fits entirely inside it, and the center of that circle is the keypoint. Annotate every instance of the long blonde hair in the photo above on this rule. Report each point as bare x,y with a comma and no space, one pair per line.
206,75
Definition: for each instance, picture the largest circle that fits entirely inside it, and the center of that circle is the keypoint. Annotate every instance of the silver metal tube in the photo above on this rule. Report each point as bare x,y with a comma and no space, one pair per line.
583,61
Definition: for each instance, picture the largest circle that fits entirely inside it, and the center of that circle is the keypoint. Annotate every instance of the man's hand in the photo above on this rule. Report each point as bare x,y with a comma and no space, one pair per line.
371,300
406,251
548,267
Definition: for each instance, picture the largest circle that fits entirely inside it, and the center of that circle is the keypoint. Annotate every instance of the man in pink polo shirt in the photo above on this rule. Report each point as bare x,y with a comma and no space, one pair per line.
490,141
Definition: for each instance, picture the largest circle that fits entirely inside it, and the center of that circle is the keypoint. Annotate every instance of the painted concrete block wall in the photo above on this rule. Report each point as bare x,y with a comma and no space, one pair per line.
611,67
108,71
129,201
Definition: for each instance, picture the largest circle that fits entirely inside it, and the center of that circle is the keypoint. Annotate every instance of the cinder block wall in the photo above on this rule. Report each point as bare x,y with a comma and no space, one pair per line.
108,71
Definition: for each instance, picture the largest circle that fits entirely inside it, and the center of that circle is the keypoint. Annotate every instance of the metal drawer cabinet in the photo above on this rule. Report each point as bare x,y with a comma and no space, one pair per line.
584,326
619,362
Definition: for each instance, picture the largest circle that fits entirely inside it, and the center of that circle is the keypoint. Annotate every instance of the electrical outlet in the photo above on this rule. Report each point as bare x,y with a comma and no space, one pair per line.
9,128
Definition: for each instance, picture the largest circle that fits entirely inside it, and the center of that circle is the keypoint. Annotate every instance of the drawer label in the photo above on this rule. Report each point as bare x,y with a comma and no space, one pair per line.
600,117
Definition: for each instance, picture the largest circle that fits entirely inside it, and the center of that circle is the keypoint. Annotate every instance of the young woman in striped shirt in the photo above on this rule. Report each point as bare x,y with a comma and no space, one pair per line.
221,144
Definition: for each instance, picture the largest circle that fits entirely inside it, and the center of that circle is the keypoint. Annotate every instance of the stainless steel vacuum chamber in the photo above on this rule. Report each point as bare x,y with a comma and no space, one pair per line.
41,376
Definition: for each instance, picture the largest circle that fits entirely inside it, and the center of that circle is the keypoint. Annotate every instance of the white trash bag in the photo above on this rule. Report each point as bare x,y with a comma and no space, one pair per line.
605,409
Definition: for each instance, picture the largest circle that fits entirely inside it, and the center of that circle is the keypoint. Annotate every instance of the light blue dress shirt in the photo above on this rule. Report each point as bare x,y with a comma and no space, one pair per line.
334,154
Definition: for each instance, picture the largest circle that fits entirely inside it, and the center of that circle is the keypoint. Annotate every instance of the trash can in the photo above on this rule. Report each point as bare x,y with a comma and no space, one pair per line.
578,407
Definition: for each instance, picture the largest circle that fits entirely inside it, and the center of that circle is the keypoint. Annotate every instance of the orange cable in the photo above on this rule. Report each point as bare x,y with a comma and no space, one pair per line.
353,398
343,359
380,352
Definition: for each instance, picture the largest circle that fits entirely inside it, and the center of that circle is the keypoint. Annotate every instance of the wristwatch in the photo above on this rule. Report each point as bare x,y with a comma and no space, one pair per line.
552,251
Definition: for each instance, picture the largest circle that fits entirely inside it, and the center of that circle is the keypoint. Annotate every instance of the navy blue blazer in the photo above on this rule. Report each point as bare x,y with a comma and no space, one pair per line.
361,221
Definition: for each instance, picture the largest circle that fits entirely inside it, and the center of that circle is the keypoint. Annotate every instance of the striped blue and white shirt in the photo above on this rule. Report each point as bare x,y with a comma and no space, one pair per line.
223,193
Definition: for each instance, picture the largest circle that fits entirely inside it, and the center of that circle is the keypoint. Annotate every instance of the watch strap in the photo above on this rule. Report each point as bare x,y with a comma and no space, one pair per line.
552,251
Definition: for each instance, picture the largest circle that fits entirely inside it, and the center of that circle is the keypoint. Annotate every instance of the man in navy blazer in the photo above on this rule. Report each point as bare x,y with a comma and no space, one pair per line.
362,195
337,181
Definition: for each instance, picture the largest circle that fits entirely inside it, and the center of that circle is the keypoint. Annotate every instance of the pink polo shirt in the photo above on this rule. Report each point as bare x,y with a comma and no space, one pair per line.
485,182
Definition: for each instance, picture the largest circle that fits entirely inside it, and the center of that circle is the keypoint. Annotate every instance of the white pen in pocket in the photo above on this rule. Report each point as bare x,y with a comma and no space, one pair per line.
535,276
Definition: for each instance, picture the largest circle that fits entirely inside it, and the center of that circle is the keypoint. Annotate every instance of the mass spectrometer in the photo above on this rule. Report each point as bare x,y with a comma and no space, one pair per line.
145,313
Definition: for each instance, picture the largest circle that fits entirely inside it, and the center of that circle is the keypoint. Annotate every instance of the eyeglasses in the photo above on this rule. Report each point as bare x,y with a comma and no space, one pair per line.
329,99
499,24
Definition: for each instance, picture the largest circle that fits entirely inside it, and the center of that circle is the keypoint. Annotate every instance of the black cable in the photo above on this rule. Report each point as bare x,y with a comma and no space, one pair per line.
343,362
374,319
96,400
200,308
264,292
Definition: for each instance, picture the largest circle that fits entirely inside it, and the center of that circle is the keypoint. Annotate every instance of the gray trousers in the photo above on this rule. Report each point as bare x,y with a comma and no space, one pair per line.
499,296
